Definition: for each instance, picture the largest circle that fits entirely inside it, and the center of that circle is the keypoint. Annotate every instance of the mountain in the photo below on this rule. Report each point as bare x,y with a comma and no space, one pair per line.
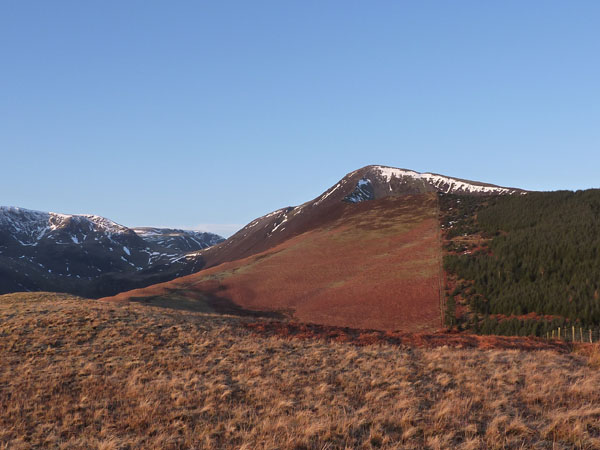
366,253
382,181
87,254
180,240
368,183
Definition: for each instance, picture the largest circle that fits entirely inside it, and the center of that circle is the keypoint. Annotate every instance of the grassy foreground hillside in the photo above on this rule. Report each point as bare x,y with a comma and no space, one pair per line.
78,373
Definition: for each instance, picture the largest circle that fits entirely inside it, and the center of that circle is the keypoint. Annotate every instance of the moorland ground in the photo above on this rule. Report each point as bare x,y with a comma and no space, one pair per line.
78,373
374,265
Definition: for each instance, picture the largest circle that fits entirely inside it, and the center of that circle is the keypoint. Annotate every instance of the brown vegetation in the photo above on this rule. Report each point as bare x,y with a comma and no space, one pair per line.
86,374
373,265
427,340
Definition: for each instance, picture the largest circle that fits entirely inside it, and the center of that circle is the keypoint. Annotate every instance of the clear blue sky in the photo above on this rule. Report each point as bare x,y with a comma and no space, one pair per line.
213,113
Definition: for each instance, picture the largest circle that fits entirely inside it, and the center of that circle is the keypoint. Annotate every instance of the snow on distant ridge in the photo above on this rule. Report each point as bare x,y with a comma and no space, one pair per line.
440,182
175,238
32,225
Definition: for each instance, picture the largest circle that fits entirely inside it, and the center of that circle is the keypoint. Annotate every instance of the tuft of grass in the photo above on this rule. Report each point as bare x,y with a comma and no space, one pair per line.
79,373
591,353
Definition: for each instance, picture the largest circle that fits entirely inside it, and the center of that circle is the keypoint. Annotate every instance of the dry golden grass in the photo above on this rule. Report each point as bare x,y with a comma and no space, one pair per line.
85,374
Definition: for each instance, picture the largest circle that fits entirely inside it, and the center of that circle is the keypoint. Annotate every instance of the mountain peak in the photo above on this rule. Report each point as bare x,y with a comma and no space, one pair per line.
376,181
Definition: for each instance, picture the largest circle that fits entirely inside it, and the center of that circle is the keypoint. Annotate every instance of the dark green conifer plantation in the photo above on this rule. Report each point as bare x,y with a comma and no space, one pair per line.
450,313
543,257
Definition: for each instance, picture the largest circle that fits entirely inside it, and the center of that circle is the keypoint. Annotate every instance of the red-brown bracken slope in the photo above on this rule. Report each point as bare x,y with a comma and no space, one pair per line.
371,265
291,330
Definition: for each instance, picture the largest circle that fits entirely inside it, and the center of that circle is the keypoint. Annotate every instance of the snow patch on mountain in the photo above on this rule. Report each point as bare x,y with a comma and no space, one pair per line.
176,239
440,182
362,192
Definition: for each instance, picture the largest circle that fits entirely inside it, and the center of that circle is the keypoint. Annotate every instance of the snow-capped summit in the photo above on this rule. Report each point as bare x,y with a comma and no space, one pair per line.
382,181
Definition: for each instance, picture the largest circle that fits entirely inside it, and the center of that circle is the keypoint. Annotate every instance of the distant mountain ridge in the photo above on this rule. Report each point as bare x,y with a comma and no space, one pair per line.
176,239
82,253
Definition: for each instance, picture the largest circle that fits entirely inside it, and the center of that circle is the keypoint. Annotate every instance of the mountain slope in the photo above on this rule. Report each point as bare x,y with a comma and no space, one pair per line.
94,257
373,265
367,183
84,254
366,253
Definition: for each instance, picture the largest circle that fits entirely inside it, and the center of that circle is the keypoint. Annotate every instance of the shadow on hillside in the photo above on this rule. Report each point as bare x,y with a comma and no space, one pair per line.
207,304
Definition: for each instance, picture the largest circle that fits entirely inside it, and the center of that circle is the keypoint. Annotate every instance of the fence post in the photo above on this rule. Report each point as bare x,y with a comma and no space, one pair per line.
573,330
559,332
590,335
581,334
553,334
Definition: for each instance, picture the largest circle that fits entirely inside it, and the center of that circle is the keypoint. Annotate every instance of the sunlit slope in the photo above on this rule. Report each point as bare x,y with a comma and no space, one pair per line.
84,374
375,265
